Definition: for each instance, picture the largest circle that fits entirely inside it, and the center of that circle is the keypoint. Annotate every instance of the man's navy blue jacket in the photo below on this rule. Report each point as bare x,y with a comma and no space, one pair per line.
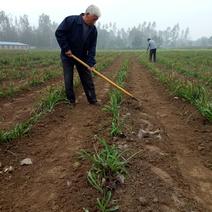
69,36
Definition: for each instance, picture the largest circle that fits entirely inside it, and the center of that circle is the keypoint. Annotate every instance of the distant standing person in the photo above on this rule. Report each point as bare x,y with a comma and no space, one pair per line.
152,50
77,34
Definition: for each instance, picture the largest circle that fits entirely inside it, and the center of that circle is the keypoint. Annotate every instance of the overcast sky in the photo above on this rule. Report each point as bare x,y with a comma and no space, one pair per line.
196,14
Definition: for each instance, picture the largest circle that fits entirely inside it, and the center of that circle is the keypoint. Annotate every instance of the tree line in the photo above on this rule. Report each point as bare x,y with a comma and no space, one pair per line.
109,35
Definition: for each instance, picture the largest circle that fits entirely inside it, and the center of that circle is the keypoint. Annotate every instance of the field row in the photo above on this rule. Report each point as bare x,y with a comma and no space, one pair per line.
188,75
19,114
22,71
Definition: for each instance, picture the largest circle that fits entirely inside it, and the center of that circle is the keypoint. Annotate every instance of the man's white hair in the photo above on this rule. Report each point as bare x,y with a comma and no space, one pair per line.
93,10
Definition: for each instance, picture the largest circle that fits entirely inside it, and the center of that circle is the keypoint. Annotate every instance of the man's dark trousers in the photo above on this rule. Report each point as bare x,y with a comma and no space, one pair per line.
152,55
85,77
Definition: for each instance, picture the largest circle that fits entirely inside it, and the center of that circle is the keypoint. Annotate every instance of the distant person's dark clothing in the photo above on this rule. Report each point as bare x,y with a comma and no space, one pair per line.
152,55
152,50
75,35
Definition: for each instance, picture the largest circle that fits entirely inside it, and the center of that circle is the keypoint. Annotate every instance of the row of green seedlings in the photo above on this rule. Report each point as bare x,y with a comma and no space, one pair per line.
21,73
192,92
178,67
36,80
109,167
17,66
28,59
50,99
195,60
115,102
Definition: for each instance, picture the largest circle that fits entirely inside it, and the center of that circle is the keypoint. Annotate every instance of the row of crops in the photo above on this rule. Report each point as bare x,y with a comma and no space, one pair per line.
50,94
188,74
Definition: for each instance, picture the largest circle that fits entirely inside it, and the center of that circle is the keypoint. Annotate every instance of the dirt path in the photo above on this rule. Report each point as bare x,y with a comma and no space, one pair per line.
169,174
19,108
56,181
172,171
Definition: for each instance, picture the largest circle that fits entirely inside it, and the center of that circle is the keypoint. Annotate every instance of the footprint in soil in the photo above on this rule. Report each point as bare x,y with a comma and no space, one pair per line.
162,174
155,150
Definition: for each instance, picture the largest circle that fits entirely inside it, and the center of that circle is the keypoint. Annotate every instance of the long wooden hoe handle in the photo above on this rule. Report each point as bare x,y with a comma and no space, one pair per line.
104,77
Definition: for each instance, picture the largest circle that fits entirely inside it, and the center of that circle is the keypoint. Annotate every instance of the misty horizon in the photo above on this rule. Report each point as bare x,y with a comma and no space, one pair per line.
195,15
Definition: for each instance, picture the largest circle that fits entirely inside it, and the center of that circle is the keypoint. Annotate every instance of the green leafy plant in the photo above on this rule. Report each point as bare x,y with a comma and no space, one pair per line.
193,92
107,164
104,204
115,101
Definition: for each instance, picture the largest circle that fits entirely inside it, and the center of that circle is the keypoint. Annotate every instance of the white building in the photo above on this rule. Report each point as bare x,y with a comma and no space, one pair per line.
13,45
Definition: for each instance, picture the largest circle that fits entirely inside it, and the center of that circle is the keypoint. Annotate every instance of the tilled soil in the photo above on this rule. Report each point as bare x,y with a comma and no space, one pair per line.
171,170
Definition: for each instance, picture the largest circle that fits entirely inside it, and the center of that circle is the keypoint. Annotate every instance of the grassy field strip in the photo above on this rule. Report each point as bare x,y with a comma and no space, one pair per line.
190,65
37,78
51,97
35,81
108,165
188,90
18,64
115,102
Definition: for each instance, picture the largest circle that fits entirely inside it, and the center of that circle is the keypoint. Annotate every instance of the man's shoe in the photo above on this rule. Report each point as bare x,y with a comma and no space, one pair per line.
95,103
72,104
